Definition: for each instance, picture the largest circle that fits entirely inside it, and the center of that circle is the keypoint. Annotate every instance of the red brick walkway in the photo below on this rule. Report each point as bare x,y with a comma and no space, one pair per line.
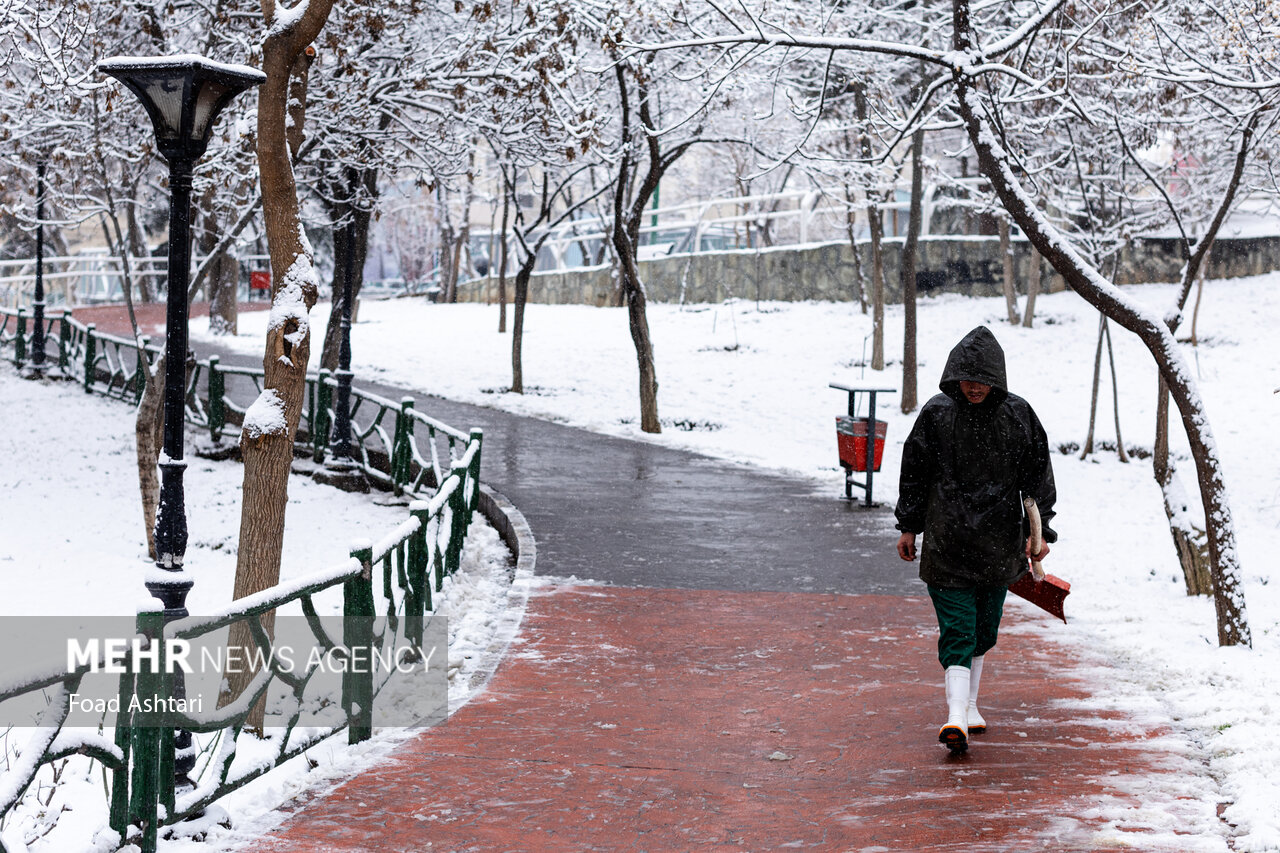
673,720
114,319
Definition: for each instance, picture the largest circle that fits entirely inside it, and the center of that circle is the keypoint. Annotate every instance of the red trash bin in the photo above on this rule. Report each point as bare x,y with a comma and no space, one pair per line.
260,282
851,437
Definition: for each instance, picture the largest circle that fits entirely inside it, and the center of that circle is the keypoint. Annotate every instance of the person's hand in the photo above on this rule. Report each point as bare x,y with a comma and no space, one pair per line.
1043,553
1037,571
907,546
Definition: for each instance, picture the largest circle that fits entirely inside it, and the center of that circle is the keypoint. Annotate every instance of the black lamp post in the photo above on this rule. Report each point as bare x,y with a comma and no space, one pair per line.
183,96
37,334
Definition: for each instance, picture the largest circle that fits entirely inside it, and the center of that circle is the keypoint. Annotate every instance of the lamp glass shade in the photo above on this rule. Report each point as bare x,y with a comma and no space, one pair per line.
209,100
165,95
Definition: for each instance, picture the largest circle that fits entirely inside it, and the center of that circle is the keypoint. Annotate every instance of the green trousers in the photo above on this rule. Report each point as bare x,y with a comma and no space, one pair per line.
968,621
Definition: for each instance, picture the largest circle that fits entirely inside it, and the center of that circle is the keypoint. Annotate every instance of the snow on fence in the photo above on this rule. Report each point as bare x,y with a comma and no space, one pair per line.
404,569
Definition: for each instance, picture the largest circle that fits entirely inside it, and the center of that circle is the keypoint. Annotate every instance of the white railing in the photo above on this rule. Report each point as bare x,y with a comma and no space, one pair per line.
787,218
88,278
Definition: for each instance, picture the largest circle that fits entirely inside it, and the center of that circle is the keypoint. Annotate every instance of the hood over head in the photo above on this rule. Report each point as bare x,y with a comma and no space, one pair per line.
977,358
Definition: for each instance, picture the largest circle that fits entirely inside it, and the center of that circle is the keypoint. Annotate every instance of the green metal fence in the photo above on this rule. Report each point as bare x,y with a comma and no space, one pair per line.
404,571
397,446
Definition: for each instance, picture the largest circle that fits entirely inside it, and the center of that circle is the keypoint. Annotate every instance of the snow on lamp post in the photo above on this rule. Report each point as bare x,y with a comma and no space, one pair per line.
183,96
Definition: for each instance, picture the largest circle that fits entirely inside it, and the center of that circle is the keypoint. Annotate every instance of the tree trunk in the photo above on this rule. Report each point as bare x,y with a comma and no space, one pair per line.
147,284
877,287
223,276
1189,539
1033,288
1229,603
148,429
1093,394
149,422
1115,394
266,441
626,234
517,324
341,246
448,274
224,288
851,222
1195,312
875,225
502,260
908,267
638,321
1006,255
462,246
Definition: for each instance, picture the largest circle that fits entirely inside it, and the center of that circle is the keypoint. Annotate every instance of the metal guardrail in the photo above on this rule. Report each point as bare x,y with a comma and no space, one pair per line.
407,566
90,278
397,446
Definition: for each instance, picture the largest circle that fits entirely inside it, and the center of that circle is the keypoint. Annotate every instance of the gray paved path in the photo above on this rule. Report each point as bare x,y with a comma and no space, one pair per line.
638,514
633,513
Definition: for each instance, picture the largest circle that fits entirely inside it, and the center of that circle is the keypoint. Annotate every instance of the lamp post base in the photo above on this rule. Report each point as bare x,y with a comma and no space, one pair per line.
342,474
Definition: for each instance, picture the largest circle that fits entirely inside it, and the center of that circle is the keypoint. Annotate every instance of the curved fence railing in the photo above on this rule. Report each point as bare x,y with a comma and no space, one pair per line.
397,446
383,597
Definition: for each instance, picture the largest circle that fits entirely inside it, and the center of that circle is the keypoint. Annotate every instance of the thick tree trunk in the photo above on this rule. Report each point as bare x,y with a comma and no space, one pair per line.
908,269
1229,604
266,441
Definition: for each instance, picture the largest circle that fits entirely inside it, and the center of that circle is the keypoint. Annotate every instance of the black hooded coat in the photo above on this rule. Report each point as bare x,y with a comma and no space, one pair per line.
965,470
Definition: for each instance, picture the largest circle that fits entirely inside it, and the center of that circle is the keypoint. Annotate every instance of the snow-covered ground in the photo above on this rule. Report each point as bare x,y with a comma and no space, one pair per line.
74,544
748,382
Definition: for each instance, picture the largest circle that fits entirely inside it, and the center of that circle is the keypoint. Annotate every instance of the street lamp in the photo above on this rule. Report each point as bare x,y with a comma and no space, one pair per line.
37,334
183,96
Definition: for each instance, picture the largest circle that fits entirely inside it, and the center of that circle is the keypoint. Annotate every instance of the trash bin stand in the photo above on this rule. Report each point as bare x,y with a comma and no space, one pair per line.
871,421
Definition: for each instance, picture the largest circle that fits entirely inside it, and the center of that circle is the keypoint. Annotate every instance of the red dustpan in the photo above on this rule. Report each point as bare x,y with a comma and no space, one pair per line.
1047,594
1049,591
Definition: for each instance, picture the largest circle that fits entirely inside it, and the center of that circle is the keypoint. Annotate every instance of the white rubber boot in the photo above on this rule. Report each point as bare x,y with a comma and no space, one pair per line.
955,734
977,725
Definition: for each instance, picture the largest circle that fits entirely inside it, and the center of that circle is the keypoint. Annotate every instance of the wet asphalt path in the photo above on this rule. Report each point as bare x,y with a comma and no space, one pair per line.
632,513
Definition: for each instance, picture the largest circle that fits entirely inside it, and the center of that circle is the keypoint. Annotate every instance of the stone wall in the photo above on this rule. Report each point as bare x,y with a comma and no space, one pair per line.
967,265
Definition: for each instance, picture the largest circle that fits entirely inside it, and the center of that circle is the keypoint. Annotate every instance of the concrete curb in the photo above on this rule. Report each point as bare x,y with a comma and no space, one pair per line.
511,525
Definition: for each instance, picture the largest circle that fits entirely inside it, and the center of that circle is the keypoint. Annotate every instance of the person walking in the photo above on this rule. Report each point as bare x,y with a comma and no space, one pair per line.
975,452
